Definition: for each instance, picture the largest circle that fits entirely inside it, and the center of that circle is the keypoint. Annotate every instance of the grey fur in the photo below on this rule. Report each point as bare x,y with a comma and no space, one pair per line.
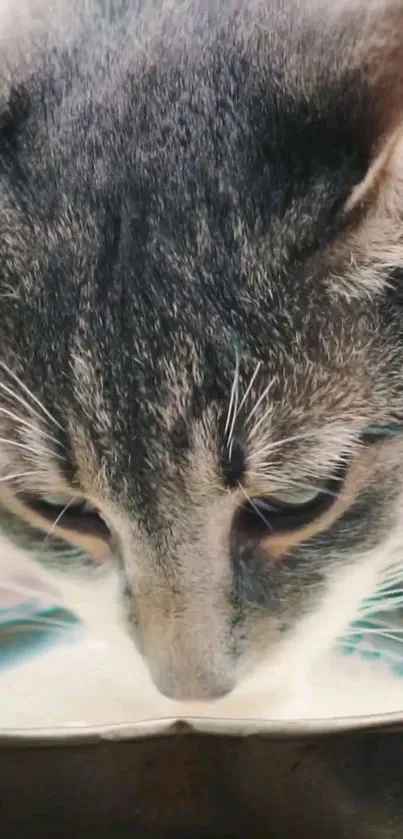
173,178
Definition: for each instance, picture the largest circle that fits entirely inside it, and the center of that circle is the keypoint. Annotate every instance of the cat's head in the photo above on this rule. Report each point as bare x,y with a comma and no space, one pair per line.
201,268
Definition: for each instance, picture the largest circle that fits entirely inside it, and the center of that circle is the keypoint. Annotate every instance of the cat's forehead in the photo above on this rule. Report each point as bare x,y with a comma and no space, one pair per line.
176,218
151,399
196,145
209,200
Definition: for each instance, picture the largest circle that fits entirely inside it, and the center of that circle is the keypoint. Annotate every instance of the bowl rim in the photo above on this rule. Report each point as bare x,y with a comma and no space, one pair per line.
169,726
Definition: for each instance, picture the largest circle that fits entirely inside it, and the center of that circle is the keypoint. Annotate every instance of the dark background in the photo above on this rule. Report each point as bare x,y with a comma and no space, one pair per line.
185,785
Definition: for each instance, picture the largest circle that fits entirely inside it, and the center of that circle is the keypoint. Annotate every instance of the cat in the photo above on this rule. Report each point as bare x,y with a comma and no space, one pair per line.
201,251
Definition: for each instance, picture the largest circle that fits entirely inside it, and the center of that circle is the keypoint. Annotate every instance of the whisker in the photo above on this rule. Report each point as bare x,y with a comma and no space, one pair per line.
30,394
34,451
391,575
28,425
233,404
392,636
16,475
276,444
295,485
255,508
250,385
383,593
258,403
306,435
19,399
260,422
389,584
57,519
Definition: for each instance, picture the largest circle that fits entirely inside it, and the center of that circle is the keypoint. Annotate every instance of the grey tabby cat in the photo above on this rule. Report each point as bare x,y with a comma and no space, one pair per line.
201,334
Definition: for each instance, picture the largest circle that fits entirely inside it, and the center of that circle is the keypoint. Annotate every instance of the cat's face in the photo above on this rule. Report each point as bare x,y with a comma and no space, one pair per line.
200,335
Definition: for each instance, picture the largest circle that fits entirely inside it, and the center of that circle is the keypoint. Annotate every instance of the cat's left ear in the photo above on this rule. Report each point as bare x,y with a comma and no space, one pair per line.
382,75
376,202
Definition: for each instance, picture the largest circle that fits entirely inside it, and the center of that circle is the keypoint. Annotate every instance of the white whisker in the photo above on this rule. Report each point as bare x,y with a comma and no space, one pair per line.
255,507
307,435
29,425
383,593
57,519
250,385
39,451
276,444
391,575
258,403
14,477
294,485
30,394
391,636
389,583
19,399
260,422
387,591
233,404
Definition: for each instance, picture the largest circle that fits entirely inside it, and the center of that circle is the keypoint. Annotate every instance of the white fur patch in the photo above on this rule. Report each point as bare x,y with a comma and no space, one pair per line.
102,680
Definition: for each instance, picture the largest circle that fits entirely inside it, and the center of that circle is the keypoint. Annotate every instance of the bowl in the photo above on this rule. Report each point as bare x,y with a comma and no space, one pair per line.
181,779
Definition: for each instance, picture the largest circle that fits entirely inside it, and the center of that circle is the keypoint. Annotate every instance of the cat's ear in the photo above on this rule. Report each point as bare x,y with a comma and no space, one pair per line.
379,59
376,202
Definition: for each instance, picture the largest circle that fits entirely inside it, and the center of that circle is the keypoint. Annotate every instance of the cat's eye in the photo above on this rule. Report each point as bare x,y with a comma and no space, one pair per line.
57,502
75,514
261,516
298,497
287,511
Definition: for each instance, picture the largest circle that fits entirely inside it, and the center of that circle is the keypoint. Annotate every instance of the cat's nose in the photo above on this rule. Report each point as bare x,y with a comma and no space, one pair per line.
188,656
206,689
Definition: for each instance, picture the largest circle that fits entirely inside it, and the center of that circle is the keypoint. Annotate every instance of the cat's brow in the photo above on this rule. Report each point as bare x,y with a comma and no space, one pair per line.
277,444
